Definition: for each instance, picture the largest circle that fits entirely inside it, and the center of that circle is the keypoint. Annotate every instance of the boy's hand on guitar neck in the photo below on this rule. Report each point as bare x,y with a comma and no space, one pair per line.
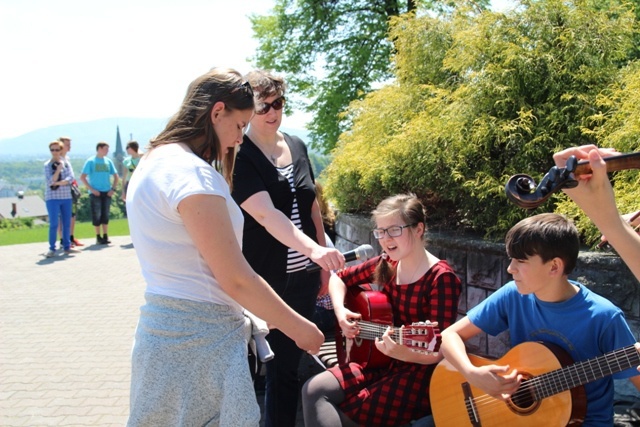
495,380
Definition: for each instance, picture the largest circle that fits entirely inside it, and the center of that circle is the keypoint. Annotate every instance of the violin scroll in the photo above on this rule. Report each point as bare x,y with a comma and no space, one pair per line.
521,189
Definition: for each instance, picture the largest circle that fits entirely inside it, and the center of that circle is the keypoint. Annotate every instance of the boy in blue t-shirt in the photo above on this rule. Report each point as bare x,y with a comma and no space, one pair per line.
542,304
96,176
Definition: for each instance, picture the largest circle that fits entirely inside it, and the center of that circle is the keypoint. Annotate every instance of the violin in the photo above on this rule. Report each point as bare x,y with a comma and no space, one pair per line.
521,189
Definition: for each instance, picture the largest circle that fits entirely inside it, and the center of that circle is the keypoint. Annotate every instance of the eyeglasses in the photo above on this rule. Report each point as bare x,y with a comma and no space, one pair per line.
54,149
263,108
393,231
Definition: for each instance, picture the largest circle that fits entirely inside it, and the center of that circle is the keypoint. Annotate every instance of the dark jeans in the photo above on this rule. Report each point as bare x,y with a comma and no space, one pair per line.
282,386
100,206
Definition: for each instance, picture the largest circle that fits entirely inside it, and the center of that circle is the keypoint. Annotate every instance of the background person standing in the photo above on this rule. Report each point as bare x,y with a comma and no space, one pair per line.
57,196
96,176
66,142
130,164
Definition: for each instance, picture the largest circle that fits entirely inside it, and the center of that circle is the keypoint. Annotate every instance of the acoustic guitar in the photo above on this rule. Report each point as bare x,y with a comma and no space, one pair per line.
375,309
552,393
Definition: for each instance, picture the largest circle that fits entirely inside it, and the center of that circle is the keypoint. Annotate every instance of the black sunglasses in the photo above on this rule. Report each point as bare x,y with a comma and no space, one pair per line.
263,107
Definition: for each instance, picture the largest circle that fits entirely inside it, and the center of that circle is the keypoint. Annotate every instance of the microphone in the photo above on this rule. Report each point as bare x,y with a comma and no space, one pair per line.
362,252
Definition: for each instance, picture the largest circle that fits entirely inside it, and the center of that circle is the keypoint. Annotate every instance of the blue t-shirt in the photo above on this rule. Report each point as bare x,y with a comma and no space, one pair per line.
586,326
99,171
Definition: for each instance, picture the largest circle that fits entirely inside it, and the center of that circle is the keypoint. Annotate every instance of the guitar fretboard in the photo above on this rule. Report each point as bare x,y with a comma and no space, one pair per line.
580,373
421,336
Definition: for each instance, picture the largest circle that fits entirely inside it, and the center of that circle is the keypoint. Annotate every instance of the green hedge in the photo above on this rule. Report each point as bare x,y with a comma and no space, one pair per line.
480,97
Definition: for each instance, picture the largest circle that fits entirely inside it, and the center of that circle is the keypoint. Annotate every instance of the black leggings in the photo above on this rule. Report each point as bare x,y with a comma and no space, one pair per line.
321,396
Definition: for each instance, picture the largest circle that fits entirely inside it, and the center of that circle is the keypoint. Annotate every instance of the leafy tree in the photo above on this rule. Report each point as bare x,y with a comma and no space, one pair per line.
478,98
332,52
619,129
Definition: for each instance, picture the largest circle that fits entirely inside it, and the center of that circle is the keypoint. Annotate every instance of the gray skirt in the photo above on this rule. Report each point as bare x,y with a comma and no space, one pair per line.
190,366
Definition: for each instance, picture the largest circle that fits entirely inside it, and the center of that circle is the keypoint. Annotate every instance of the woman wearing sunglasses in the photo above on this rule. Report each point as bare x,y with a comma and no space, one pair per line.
57,196
274,185
419,287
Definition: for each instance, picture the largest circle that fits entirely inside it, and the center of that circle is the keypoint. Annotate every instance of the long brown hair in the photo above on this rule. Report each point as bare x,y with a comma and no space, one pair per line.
412,212
192,123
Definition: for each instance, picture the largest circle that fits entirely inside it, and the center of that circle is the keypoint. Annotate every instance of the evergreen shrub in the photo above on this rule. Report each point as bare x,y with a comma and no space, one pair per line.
480,97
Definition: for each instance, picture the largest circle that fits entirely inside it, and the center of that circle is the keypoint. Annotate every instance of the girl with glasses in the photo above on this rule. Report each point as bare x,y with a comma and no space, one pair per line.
274,185
419,287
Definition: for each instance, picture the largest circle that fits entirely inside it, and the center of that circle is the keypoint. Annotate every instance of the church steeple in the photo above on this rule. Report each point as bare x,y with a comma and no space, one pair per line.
118,156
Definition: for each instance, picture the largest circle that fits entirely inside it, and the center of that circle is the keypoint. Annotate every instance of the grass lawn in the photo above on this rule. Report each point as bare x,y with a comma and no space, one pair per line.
84,230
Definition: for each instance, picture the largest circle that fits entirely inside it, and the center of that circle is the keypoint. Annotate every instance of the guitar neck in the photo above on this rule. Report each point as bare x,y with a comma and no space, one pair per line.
581,373
371,331
422,337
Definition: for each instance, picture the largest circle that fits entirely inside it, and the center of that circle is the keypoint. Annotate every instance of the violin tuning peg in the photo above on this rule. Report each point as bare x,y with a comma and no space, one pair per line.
570,183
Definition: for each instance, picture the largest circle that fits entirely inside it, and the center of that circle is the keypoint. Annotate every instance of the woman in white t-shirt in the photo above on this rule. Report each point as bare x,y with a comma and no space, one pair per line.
189,362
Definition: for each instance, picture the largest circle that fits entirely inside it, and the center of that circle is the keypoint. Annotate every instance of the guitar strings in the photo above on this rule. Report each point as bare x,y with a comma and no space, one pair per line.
561,379
372,330
425,342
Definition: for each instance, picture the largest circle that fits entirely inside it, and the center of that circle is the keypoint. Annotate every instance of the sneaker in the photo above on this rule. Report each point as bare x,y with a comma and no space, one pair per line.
99,240
105,240
50,254
71,251
76,242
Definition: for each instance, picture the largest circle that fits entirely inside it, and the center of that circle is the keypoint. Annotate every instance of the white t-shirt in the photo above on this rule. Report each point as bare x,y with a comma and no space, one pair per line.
171,264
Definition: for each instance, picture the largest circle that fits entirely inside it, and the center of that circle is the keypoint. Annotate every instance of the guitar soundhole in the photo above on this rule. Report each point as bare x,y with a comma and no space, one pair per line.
523,401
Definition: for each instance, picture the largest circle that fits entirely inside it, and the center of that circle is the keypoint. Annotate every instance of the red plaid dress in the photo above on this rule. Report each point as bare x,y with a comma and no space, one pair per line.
400,393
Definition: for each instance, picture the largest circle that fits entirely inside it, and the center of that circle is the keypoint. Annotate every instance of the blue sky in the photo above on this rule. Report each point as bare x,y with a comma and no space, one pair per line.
66,61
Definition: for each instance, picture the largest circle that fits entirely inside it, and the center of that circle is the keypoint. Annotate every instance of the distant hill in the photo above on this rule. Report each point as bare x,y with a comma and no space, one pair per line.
84,137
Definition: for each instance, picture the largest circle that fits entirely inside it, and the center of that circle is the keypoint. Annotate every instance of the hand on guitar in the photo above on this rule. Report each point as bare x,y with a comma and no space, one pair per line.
495,380
348,321
387,346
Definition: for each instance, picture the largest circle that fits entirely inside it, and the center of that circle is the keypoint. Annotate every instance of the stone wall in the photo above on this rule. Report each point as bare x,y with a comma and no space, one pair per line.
482,268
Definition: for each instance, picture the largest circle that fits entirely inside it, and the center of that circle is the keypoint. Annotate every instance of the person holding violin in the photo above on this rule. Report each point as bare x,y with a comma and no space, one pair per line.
594,195
419,287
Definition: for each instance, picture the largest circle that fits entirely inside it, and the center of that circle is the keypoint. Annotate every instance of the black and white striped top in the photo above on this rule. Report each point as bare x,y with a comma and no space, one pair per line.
295,260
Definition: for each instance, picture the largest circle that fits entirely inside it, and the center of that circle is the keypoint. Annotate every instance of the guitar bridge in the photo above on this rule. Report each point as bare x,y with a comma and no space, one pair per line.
472,412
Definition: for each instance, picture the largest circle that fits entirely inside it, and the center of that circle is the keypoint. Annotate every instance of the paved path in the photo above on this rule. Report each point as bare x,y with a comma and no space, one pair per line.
66,328
66,331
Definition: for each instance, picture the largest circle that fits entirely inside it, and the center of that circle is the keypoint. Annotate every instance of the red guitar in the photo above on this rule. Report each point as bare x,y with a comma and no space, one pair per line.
375,309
